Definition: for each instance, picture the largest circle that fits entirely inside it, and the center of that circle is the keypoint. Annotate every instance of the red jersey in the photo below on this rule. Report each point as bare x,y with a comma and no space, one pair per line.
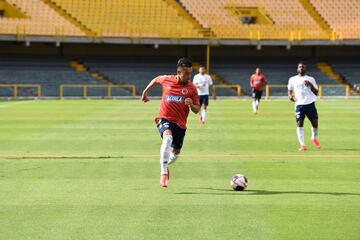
172,106
257,81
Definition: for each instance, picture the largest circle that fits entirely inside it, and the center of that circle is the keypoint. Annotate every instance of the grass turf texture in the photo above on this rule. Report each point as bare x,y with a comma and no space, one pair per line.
89,169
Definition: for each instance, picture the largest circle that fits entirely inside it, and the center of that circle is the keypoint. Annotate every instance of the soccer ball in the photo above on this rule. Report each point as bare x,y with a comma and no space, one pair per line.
239,182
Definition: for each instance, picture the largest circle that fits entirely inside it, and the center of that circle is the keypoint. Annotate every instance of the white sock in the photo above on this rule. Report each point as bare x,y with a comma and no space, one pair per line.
257,104
254,106
173,158
314,133
300,134
165,153
204,113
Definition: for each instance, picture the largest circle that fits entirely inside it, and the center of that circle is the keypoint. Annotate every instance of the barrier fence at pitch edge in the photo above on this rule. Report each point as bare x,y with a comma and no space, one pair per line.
236,87
270,90
85,88
16,88
321,89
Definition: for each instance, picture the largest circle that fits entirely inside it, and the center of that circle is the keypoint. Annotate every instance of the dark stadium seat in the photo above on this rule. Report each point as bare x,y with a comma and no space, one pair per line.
50,73
348,69
277,71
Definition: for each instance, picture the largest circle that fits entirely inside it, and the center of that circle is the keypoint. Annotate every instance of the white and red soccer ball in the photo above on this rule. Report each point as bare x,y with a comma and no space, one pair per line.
239,182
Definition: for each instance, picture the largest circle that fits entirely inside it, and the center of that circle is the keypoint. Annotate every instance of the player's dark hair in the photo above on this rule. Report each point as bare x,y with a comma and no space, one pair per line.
184,62
302,63
202,66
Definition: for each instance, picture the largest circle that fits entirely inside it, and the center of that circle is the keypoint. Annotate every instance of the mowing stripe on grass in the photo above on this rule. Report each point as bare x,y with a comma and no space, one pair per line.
45,156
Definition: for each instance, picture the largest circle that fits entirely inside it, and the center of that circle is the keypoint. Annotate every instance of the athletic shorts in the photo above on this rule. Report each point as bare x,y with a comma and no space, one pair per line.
308,110
204,99
257,94
178,133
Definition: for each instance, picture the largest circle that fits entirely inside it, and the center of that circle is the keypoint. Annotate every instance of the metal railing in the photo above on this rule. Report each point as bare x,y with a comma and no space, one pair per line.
321,89
324,86
85,88
236,87
16,87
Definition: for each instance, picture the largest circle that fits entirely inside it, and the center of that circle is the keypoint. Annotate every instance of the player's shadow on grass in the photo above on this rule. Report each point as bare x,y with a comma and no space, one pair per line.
218,191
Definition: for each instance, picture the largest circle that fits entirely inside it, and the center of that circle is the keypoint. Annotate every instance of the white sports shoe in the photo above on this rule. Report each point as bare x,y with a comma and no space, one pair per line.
173,158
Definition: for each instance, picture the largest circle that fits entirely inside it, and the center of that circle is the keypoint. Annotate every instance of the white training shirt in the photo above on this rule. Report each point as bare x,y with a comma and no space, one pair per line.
205,81
303,94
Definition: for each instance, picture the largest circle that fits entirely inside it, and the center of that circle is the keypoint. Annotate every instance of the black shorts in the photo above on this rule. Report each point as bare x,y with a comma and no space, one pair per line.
308,110
177,132
257,94
204,99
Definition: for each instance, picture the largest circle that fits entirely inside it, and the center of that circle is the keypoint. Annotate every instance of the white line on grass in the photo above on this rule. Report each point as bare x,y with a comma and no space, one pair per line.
10,104
69,156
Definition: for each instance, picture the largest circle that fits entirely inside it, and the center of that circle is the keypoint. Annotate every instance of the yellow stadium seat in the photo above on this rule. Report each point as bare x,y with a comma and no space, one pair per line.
132,18
41,20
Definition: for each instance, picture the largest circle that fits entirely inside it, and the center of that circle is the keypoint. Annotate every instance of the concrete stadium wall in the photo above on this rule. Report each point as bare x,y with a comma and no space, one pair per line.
174,51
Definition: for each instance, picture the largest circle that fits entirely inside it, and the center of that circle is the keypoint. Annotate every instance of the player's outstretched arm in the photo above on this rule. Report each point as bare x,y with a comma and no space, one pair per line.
194,108
144,97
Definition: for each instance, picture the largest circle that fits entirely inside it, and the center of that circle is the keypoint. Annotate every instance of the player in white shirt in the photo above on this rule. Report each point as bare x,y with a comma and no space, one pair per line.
306,90
202,82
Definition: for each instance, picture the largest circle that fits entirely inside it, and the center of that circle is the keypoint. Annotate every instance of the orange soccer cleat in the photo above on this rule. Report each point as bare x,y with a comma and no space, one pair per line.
316,142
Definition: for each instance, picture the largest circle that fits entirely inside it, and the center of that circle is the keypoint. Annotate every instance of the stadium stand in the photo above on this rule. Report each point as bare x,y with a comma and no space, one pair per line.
202,22
349,70
184,19
138,71
286,19
38,19
134,71
132,18
342,16
277,72
50,73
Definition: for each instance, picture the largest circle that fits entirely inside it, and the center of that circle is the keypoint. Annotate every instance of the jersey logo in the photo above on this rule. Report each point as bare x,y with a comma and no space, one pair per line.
184,91
174,99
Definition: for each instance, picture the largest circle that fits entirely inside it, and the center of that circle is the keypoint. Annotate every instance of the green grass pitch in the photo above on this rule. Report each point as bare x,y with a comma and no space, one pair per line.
89,169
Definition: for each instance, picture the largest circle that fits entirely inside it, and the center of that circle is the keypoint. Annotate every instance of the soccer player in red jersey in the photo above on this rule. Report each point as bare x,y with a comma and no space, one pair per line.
257,81
179,96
